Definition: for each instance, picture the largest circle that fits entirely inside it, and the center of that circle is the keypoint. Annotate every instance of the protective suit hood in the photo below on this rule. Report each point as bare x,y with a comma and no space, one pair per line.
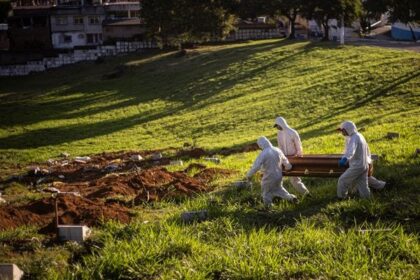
263,143
349,127
282,122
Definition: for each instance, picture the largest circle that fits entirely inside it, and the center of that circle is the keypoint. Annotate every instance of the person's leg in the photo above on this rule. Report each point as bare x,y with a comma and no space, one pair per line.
375,183
362,185
280,191
267,196
346,180
298,185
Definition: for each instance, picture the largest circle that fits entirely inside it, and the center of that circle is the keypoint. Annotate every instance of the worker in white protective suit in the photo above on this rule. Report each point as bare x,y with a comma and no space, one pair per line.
271,160
357,154
289,142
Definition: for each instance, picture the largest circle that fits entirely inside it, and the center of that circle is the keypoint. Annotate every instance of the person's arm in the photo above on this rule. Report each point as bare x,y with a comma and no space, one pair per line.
298,145
255,166
351,146
285,162
278,140
368,154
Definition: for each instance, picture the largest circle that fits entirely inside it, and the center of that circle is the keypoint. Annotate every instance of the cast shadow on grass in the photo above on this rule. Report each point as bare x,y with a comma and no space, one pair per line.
123,89
394,205
380,91
141,85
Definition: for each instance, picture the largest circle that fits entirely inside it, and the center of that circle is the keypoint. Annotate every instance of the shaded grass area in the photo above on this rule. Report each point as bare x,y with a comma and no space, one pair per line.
227,96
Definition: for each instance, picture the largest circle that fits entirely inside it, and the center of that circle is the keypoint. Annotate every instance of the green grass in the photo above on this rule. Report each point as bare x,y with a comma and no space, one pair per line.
227,96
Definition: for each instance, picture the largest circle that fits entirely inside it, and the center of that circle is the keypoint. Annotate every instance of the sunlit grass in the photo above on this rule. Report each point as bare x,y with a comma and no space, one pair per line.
228,96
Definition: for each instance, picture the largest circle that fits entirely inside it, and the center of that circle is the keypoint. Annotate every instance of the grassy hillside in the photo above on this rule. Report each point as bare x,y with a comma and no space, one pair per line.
227,96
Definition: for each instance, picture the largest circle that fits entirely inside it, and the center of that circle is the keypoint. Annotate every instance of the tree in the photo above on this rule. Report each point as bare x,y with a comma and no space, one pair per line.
177,22
289,9
371,9
406,11
325,10
5,8
251,8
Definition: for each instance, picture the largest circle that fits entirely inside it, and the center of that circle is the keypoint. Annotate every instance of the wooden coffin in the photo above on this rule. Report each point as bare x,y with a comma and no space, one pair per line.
318,166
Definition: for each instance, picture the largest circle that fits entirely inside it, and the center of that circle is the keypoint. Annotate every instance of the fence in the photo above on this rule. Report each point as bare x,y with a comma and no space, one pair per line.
73,57
119,48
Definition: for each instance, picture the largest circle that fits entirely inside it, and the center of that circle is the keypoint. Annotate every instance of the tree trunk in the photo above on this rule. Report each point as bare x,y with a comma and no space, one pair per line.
413,34
292,34
326,31
292,19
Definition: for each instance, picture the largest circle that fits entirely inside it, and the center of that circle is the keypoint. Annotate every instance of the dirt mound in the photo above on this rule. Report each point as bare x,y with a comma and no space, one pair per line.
192,153
236,150
209,174
72,210
193,166
158,183
108,183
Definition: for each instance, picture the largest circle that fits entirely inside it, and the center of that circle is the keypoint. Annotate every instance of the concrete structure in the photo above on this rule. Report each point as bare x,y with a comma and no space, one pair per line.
123,29
405,32
29,28
10,271
73,233
122,9
4,38
123,21
75,56
250,31
76,24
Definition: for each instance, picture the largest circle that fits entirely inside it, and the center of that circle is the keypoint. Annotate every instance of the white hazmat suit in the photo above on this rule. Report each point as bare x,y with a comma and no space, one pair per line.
289,142
270,160
358,154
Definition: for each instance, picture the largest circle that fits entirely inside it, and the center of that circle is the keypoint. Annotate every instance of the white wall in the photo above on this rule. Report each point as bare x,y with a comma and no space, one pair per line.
77,39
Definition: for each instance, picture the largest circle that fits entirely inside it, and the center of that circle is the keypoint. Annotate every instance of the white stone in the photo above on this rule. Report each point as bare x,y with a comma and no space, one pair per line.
82,159
73,233
136,158
9,271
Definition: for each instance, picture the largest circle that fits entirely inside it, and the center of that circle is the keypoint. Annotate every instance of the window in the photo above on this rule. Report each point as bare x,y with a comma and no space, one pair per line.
94,38
78,20
93,20
67,39
61,20
135,14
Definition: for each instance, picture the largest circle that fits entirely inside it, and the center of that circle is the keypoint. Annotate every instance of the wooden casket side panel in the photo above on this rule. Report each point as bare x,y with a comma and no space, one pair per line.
315,166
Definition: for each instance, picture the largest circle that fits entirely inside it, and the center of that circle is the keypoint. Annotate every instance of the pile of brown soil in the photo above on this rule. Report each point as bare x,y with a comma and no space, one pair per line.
243,149
192,153
107,183
158,183
72,210
209,174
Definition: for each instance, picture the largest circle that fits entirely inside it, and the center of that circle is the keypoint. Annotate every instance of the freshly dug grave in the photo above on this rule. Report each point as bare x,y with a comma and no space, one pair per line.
210,174
109,184
72,210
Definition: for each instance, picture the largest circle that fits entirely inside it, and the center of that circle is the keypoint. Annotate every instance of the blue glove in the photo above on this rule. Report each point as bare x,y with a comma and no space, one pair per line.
342,162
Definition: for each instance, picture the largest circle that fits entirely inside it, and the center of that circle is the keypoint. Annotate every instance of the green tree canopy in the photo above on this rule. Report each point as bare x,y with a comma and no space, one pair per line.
290,9
325,10
176,22
5,8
